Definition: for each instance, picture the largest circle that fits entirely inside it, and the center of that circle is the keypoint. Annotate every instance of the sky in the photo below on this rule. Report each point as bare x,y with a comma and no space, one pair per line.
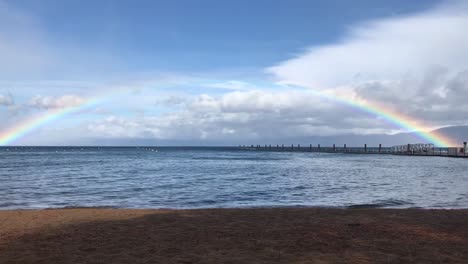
227,72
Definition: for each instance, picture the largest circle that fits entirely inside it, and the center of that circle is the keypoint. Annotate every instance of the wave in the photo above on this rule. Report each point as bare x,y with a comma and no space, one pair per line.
382,204
237,158
82,207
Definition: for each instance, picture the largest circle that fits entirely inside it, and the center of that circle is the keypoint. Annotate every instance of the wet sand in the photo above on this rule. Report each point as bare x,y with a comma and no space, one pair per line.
274,235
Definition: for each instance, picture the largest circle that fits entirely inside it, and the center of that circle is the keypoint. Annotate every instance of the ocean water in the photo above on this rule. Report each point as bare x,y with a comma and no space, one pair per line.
56,177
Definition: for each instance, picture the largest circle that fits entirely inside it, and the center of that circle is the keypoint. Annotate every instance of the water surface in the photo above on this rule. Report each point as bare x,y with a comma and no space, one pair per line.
224,177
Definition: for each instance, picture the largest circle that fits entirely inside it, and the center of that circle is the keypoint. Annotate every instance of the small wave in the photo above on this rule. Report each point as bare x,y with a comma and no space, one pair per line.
236,158
381,204
82,207
12,204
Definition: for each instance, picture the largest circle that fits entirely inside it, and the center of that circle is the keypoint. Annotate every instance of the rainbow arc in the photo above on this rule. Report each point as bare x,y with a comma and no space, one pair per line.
11,135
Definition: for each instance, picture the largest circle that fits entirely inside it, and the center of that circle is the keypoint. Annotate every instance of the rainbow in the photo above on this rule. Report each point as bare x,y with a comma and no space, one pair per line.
409,124
391,116
26,126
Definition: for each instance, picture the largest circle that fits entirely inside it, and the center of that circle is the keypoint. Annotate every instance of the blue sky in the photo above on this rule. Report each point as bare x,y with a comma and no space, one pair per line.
226,69
204,35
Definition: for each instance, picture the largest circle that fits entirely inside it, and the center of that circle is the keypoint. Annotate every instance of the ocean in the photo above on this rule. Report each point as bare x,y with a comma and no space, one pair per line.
207,177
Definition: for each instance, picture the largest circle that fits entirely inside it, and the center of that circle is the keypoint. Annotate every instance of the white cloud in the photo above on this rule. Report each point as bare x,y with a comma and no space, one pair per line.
242,115
232,85
172,100
416,64
50,102
384,49
6,100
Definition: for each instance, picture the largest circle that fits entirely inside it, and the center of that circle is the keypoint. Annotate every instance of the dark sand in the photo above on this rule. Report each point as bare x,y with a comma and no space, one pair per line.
234,236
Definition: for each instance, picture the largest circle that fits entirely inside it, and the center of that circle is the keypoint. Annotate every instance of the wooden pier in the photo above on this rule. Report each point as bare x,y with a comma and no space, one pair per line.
405,150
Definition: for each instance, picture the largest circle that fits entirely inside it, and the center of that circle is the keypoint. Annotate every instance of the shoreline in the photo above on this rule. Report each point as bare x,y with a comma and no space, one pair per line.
234,235
377,206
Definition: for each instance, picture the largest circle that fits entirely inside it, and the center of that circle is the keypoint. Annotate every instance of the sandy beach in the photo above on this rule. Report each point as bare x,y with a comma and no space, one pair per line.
275,235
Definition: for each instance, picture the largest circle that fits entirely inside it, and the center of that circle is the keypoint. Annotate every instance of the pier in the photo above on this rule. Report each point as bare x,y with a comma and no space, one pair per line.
405,150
